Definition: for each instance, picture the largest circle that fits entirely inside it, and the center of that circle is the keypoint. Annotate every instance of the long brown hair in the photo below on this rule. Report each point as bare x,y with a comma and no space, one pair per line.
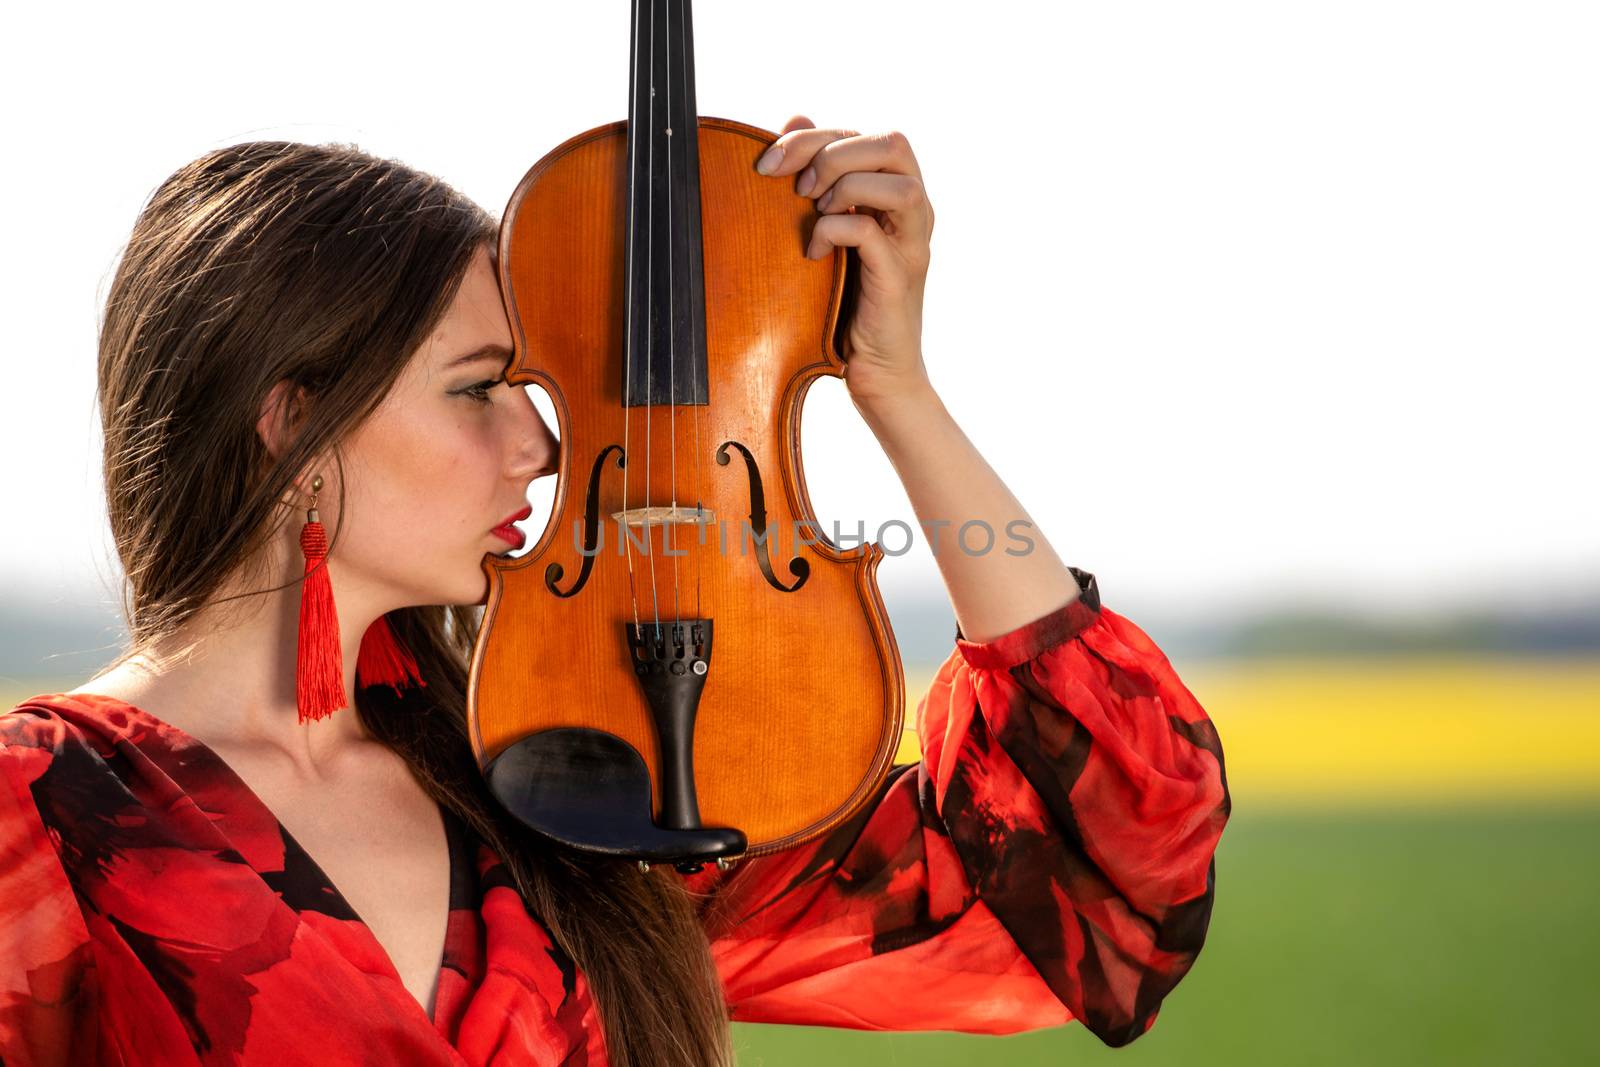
327,266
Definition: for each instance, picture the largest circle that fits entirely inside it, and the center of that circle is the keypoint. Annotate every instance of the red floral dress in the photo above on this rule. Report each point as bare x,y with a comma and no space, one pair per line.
1048,858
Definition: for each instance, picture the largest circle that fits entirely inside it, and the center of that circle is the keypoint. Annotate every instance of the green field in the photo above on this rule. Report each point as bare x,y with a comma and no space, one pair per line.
1459,937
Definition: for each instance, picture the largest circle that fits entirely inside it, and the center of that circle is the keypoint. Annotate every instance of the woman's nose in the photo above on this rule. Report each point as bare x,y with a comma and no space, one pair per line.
536,448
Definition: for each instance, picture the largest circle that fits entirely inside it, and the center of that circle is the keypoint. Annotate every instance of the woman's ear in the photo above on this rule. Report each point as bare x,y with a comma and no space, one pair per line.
281,414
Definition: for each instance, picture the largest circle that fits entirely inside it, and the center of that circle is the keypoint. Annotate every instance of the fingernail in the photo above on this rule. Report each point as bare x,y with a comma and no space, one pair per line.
771,160
827,197
808,178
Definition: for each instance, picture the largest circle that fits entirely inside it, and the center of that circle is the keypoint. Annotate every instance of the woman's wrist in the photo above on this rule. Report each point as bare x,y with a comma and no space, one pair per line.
891,409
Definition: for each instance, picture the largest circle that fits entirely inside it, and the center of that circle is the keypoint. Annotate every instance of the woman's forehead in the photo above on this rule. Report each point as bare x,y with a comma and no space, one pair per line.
476,318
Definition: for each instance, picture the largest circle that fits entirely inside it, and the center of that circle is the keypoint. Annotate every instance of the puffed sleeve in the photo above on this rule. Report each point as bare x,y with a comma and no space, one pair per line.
1048,858
47,989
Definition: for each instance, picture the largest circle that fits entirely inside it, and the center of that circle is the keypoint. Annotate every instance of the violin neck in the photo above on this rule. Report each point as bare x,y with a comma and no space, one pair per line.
665,354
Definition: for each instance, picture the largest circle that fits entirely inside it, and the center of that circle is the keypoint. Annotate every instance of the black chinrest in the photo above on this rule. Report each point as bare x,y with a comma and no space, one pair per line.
591,790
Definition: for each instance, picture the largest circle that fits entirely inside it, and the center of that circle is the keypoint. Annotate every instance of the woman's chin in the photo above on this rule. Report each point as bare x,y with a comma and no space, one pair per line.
470,590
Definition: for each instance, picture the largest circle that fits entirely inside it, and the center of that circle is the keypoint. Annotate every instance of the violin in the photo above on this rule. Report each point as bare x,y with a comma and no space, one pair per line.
683,669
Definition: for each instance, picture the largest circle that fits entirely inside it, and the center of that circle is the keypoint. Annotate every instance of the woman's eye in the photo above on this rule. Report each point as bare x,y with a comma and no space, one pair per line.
480,392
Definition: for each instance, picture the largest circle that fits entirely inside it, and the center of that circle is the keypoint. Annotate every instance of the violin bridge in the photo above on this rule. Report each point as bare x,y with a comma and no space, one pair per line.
673,515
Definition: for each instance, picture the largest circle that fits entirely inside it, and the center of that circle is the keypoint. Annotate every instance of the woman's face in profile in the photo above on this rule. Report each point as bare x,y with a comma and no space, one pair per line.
447,456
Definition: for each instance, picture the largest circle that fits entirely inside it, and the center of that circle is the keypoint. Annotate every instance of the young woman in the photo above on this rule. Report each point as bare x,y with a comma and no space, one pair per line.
193,872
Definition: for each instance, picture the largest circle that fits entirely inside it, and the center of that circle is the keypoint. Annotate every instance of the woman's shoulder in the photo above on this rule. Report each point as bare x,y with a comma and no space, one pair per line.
49,967
37,723
64,731
32,738
76,773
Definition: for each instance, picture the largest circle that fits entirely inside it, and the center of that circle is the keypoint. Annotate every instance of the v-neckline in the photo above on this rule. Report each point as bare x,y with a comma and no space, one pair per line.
242,788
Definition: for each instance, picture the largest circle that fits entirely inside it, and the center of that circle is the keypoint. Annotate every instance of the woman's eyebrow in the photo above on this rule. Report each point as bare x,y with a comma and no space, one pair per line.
490,351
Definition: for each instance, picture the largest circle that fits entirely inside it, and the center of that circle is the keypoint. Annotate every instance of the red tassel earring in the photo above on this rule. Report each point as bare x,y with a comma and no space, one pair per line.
319,662
384,660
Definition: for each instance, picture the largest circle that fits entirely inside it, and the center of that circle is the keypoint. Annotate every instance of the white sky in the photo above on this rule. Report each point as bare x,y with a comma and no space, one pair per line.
1244,300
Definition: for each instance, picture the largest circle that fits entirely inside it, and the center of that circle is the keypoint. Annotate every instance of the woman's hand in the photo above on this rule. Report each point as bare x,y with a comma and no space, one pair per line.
947,481
869,191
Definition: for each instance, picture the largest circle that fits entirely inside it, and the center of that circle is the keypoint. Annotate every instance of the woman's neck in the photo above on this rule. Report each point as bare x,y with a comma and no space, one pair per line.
227,678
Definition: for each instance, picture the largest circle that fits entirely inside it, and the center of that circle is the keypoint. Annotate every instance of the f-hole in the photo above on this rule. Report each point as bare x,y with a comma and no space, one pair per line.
591,527
798,567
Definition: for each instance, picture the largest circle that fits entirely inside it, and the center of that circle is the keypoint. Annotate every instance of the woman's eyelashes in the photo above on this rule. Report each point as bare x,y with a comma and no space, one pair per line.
480,392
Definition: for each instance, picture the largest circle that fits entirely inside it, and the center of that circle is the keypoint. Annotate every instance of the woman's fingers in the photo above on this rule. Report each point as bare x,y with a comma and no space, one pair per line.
899,201
870,195
878,172
794,148
848,231
821,156
888,266
889,152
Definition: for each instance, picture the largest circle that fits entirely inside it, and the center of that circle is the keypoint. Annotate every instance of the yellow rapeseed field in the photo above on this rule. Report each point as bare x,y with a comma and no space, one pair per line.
1396,730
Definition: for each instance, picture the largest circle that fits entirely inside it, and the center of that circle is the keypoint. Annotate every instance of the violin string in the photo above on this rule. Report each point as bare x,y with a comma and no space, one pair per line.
649,348
685,44
629,334
669,530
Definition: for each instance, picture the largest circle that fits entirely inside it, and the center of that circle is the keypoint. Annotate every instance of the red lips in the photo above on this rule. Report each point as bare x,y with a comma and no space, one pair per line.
509,532
518,517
